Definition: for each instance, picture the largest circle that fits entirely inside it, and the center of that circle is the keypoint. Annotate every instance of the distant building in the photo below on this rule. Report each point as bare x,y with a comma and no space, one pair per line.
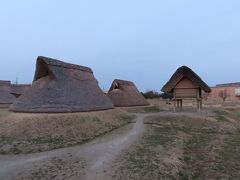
224,92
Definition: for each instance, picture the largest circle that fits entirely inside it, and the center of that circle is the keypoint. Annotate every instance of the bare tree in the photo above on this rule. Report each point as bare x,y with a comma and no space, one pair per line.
223,94
205,96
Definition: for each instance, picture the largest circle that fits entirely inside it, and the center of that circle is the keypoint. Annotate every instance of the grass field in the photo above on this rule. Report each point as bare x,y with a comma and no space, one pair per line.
144,109
28,133
184,147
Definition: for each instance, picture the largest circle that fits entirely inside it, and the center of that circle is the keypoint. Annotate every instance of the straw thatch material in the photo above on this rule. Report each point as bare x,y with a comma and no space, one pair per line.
185,72
5,96
9,92
19,89
62,87
125,93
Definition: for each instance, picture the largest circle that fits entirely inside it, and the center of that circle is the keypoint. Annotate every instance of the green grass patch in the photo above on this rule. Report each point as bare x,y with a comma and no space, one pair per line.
197,144
234,114
229,156
195,157
143,162
221,115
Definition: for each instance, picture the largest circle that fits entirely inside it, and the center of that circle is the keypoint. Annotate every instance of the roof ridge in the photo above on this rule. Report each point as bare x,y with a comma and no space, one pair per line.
124,81
55,62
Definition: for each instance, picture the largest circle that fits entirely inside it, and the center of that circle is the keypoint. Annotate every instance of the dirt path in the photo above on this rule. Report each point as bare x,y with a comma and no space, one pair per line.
92,160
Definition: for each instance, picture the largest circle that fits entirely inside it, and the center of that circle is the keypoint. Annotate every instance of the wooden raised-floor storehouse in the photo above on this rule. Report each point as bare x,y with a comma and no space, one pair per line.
185,84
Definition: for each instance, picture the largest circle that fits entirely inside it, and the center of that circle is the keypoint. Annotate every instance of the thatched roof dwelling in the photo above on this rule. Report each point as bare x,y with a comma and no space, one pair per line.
62,87
125,93
186,84
185,72
5,96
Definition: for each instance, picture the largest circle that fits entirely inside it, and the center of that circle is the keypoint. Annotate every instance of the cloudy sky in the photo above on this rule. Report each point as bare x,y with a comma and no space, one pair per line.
144,41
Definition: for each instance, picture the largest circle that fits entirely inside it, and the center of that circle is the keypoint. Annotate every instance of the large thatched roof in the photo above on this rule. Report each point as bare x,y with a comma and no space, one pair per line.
5,96
125,93
185,72
62,87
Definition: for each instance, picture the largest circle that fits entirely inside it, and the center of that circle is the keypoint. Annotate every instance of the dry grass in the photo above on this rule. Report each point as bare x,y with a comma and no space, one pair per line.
147,159
144,109
184,147
65,167
28,133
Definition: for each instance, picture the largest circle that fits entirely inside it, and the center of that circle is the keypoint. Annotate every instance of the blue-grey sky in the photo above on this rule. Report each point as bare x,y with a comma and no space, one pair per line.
140,40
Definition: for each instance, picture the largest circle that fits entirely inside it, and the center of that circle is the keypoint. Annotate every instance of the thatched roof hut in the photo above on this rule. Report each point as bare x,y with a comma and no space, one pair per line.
186,84
125,93
5,96
181,73
62,87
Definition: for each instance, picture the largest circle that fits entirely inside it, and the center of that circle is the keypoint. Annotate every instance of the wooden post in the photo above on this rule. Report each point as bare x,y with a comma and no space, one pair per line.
197,104
201,105
174,105
200,96
181,104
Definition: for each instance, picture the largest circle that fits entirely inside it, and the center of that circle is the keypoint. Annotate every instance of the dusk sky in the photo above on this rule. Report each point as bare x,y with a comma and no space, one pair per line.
144,41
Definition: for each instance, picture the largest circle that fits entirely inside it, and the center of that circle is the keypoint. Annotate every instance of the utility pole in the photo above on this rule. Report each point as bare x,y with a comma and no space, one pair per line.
16,82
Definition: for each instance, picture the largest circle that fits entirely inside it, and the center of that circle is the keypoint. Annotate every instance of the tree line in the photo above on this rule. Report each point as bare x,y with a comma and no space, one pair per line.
150,94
